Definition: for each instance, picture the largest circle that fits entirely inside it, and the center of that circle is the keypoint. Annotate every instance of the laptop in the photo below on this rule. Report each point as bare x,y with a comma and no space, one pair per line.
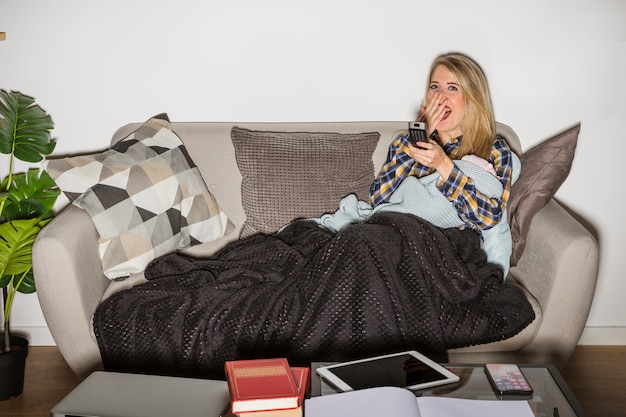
112,394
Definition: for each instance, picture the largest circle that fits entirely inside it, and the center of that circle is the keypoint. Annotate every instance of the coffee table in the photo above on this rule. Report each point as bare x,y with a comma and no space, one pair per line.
550,389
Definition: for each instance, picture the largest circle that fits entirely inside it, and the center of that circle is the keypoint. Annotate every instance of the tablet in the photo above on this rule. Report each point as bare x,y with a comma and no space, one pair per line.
409,369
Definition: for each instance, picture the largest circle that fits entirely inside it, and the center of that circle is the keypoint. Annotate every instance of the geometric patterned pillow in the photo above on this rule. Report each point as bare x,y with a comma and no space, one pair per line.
153,203
76,174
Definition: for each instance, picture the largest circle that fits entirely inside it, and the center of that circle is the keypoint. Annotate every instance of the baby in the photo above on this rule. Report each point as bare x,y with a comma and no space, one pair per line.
476,160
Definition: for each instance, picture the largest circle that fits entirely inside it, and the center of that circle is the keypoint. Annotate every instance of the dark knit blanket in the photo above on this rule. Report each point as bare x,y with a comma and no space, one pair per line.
392,283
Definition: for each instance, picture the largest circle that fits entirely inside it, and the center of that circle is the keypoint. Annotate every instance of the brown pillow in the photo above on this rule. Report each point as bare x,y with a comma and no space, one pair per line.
544,168
292,175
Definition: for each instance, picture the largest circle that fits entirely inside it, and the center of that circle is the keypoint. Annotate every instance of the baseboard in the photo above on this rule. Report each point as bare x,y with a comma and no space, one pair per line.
36,335
40,335
603,336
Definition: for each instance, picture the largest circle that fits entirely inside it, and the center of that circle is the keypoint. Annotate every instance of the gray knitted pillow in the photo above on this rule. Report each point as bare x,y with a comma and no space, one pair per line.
292,175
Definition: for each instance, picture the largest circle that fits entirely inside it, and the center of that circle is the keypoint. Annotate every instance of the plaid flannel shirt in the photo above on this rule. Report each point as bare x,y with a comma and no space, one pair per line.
477,210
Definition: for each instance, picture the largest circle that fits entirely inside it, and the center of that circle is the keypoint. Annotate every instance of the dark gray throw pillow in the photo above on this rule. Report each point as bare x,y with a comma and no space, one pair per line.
544,168
293,175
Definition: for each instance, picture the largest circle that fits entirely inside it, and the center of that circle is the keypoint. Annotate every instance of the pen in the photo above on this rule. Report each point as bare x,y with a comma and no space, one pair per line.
556,412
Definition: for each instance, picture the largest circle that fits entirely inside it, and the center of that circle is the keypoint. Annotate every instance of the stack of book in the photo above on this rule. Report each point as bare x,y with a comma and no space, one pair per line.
266,388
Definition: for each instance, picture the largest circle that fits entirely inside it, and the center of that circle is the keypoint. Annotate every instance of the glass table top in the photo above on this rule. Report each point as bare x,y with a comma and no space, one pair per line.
549,389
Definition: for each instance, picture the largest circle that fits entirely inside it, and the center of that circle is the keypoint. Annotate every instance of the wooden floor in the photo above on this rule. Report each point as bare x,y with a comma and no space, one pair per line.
596,375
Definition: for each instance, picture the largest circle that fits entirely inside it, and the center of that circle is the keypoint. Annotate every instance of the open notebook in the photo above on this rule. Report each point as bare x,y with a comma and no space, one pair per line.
400,402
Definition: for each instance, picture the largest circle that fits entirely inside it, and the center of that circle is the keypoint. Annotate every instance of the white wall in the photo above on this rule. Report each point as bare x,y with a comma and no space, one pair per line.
95,66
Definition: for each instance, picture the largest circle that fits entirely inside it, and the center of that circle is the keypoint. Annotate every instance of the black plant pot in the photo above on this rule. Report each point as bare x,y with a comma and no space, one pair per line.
12,366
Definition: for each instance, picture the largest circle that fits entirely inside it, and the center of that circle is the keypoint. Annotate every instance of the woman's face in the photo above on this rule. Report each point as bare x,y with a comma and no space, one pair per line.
443,80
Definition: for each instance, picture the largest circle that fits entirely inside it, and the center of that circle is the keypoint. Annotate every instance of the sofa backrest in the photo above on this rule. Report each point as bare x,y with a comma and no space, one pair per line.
211,147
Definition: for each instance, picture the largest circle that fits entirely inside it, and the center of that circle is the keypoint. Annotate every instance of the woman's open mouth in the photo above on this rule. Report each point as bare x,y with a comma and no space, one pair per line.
446,114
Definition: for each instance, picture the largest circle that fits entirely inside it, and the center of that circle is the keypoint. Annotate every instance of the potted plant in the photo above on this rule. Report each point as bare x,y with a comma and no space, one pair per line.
26,203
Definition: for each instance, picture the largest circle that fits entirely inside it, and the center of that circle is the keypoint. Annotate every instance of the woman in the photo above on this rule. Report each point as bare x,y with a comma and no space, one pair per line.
460,122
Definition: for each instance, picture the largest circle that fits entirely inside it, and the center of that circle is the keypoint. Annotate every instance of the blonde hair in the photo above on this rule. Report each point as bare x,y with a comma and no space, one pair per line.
478,126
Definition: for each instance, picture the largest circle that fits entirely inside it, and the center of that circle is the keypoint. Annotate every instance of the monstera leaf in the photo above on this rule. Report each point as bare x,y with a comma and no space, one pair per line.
30,195
24,128
16,246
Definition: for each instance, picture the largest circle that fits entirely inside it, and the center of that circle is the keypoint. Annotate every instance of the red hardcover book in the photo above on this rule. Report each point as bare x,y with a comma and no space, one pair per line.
261,384
301,376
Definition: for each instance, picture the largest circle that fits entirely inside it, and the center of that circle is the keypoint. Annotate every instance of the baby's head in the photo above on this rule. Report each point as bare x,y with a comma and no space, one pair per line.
476,160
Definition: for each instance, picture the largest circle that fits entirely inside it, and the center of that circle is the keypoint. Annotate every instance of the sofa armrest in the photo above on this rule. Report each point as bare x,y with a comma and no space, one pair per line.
559,267
70,285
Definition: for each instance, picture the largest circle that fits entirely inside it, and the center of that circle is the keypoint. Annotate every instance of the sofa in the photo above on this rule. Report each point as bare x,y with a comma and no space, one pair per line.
554,256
